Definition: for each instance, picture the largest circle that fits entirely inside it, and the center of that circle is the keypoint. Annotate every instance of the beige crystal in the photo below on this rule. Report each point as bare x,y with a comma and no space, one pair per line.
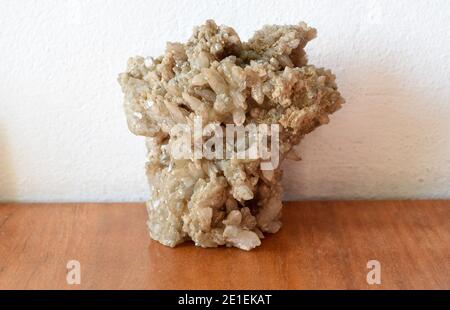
223,80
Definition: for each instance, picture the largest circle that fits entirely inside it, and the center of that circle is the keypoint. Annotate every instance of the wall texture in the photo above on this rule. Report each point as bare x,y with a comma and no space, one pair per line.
63,135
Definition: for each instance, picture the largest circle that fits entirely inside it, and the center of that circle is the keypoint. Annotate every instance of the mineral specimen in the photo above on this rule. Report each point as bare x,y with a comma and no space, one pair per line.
220,80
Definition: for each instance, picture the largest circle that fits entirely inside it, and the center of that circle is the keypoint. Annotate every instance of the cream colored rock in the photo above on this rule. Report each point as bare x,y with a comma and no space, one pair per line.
215,76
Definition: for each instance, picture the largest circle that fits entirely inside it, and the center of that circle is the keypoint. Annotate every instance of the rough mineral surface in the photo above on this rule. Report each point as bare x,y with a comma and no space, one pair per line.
223,80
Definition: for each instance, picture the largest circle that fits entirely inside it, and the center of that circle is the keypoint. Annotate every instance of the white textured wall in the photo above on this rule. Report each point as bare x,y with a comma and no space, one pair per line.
63,135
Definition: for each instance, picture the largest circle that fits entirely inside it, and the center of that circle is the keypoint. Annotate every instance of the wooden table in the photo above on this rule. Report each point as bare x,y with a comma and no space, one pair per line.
322,245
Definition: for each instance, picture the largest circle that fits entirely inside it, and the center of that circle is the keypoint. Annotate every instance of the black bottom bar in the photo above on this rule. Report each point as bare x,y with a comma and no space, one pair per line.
213,299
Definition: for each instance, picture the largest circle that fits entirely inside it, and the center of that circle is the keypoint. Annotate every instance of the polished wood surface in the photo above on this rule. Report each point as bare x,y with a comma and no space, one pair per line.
322,245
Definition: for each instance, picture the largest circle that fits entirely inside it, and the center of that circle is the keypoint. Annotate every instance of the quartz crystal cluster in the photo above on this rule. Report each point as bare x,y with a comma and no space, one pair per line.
223,80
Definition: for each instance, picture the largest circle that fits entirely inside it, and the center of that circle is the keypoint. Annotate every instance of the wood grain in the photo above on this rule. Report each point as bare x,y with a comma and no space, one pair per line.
322,245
